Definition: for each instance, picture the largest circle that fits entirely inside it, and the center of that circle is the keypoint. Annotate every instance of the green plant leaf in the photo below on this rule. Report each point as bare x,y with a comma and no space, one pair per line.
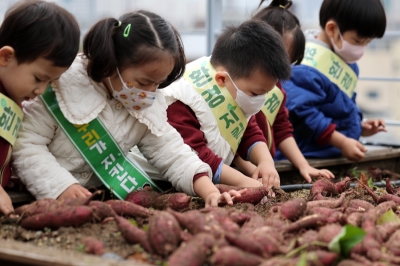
133,222
348,237
80,248
387,217
370,182
146,227
303,259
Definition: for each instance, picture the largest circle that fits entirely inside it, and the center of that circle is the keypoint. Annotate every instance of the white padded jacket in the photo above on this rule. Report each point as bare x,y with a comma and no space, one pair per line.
47,162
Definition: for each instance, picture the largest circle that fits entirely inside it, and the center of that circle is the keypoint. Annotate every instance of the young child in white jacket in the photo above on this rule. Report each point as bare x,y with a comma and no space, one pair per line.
116,81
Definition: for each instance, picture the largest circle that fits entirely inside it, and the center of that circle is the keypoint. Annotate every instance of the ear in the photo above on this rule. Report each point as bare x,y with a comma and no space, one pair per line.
6,54
332,29
220,78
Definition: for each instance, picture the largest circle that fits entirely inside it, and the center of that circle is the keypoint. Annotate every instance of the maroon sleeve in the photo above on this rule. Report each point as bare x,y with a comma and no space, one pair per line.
326,136
183,119
252,135
282,127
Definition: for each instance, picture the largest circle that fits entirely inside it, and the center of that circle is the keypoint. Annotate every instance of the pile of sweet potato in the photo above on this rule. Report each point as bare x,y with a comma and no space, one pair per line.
294,231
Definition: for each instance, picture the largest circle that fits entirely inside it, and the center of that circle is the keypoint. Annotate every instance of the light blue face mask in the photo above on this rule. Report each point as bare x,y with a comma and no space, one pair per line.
250,105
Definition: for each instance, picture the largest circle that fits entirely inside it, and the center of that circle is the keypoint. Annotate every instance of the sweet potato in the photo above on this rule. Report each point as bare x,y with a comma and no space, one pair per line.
293,209
350,263
175,201
281,261
308,237
390,189
164,233
370,217
259,244
378,255
360,205
39,206
256,221
310,221
323,211
328,232
193,253
68,216
195,222
253,194
133,234
93,245
355,218
322,186
329,203
393,244
222,217
101,210
386,230
232,256
321,258
125,208
240,217
144,198
384,198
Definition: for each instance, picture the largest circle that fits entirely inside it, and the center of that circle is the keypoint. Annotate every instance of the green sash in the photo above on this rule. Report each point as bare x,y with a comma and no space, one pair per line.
231,121
11,117
99,149
273,102
332,66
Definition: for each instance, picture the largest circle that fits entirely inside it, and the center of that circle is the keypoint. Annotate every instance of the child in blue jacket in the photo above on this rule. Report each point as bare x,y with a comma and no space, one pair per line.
320,93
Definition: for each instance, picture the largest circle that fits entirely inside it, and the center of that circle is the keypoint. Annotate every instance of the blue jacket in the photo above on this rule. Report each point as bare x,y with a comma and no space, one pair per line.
314,102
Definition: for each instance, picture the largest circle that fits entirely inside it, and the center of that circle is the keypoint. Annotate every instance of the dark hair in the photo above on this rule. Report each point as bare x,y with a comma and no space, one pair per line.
140,38
40,29
277,15
366,17
252,46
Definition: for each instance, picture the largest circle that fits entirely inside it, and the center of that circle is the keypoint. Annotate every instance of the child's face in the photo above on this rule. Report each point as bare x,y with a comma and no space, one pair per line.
27,80
256,84
146,77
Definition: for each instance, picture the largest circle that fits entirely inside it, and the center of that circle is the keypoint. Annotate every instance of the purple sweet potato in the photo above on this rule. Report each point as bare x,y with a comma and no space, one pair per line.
293,209
378,255
308,237
256,221
281,261
355,218
195,222
350,263
384,198
125,208
240,217
310,221
222,217
328,232
164,233
261,244
101,210
370,217
39,206
323,211
67,216
93,245
175,201
322,186
253,194
193,253
386,230
144,198
232,256
133,234
360,205
329,203
321,258
393,244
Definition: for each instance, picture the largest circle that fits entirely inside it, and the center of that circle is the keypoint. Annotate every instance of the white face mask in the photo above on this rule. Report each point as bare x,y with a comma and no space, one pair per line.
349,52
250,105
133,98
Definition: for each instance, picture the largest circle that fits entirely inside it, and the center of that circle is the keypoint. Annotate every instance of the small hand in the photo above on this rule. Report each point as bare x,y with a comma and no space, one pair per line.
214,198
373,126
308,172
75,191
269,175
353,150
6,206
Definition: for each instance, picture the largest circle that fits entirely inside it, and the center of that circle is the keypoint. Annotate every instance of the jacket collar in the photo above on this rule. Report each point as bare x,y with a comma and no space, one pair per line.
81,99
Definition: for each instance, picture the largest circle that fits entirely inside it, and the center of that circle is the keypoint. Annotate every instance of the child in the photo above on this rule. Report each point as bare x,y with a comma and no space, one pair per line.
108,102
38,42
213,104
321,98
277,128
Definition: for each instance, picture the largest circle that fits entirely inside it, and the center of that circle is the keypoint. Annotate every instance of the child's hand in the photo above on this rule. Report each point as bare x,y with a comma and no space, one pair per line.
75,191
372,126
6,206
215,197
269,175
352,149
308,172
